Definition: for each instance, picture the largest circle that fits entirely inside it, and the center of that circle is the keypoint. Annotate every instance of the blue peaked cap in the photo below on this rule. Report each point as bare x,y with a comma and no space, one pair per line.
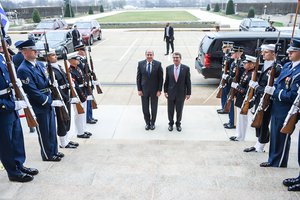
28,44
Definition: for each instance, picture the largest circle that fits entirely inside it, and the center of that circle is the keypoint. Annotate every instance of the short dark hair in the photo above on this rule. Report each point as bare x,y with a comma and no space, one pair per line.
177,54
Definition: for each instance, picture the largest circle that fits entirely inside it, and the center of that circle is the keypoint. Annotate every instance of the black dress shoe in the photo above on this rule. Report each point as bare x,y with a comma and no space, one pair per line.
178,128
265,164
152,127
291,181
229,126
91,122
74,143
53,159
69,146
96,120
61,155
30,171
88,133
250,149
85,136
232,138
170,128
166,54
294,188
147,127
221,111
21,178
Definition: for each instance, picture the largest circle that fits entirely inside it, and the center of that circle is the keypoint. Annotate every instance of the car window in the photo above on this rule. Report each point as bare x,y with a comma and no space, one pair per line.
205,44
259,24
83,25
69,35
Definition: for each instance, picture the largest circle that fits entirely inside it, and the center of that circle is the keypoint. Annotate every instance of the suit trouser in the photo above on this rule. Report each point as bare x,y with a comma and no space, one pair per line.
241,125
149,119
63,126
12,151
46,131
231,114
168,43
80,120
263,133
279,143
177,105
89,110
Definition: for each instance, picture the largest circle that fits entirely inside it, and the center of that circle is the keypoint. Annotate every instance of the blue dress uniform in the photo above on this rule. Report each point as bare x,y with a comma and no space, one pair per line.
12,151
283,97
36,85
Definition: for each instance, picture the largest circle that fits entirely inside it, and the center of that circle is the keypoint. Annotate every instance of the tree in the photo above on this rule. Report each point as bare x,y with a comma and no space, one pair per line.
36,16
230,8
217,8
91,10
101,9
68,9
251,13
208,7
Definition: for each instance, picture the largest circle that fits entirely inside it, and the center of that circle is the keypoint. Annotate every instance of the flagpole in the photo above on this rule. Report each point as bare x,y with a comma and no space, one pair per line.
296,15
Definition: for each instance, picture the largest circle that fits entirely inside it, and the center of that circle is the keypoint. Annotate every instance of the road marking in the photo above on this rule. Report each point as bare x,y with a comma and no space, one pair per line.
101,42
128,50
210,95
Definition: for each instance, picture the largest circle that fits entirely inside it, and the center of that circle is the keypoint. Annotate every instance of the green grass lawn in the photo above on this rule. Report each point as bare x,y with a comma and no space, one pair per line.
148,16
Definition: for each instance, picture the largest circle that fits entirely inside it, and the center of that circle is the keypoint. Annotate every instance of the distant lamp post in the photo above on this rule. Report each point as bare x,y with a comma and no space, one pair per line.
235,9
16,14
265,11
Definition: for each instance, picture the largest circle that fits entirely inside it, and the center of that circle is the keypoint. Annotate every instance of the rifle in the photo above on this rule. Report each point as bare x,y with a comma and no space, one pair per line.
250,92
17,91
87,80
73,92
223,81
232,91
54,89
265,102
99,90
292,116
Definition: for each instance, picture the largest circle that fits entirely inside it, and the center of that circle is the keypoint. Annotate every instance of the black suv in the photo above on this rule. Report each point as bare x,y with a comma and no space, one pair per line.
209,59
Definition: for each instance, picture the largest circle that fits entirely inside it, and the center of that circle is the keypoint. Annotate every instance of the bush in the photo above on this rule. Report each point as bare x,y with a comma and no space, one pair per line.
91,10
217,8
251,13
101,9
36,16
208,7
230,8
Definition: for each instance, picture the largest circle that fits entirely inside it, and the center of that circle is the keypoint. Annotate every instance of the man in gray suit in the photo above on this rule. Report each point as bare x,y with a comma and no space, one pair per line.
149,84
177,89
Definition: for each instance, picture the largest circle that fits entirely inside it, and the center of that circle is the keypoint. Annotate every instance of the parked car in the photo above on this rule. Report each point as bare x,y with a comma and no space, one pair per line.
253,24
47,25
89,30
60,40
209,59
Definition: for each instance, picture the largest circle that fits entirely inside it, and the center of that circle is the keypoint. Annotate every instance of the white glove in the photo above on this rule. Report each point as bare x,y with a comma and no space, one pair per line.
253,84
57,103
269,90
55,84
234,85
74,100
224,76
73,84
90,97
20,105
95,82
19,82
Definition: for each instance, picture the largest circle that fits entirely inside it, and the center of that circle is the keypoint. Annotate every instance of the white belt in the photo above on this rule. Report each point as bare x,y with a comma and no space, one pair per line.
81,85
64,86
5,91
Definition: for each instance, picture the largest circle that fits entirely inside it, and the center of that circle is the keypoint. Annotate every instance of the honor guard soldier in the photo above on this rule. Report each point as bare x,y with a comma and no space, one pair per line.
78,77
63,126
12,151
242,87
227,60
18,58
83,65
284,92
263,133
236,54
36,85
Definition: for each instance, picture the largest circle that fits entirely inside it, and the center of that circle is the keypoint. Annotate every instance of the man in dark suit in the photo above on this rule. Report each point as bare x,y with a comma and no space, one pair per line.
169,37
177,88
149,84
76,36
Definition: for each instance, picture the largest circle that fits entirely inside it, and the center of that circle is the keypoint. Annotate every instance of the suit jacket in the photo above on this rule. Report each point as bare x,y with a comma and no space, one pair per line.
171,33
36,85
181,88
286,90
149,86
78,78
